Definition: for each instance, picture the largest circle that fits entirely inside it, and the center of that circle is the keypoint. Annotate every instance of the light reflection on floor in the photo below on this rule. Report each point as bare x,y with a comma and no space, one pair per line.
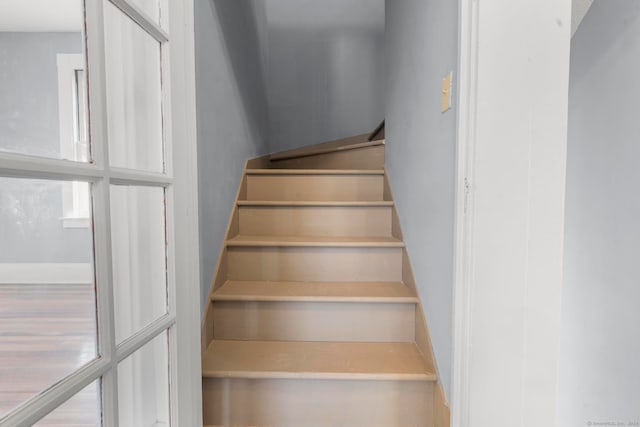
46,333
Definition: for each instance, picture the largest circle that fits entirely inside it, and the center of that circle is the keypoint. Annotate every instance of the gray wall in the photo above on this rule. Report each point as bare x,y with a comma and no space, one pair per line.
421,49
599,377
31,212
232,115
325,80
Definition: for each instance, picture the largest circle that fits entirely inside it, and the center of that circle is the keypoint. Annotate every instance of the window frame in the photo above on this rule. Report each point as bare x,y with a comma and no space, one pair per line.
180,185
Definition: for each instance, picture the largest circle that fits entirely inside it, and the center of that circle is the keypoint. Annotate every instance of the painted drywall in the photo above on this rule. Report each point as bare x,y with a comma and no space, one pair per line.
324,69
231,114
599,378
515,115
579,9
31,212
422,47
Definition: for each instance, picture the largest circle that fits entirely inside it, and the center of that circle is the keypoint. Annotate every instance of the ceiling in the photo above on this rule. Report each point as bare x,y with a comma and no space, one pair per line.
66,15
40,15
324,14
578,12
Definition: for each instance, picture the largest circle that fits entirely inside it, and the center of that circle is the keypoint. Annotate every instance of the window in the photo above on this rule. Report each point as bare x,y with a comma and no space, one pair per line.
115,166
74,134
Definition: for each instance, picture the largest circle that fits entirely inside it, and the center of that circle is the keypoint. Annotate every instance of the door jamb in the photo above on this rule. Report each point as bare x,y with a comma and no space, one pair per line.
468,20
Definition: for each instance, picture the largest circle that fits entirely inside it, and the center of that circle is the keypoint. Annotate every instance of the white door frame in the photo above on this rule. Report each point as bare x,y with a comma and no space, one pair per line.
180,183
511,163
463,225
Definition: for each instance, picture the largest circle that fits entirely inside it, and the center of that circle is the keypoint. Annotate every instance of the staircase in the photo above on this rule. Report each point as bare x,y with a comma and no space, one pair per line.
313,317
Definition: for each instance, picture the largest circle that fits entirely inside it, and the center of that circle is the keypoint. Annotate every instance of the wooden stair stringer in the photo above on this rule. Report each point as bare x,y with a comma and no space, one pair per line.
220,275
442,417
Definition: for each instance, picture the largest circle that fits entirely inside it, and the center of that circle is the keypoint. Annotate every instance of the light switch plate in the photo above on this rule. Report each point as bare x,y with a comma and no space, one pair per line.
447,83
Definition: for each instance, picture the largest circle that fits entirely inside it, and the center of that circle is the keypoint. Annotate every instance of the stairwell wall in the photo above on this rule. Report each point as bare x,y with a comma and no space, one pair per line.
232,115
421,48
599,377
324,69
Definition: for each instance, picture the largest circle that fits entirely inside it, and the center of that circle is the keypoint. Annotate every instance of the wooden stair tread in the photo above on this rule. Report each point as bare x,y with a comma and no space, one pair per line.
295,203
315,171
316,360
376,292
316,241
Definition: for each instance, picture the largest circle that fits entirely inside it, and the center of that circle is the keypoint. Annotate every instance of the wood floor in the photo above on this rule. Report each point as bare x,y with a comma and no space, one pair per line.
47,332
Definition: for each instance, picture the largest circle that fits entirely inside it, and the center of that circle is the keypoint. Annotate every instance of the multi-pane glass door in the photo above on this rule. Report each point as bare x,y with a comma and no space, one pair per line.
87,265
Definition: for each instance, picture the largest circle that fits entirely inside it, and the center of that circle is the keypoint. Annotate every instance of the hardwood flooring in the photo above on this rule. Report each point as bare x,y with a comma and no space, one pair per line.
46,333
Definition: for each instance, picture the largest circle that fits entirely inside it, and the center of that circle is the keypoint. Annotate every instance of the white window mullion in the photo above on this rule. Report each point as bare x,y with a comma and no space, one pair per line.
142,19
142,337
121,176
102,207
25,166
104,293
34,410
167,131
172,297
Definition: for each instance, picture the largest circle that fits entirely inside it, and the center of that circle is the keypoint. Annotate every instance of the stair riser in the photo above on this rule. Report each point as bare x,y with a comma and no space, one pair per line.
361,158
313,403
315,264
315,187
314,321
315,221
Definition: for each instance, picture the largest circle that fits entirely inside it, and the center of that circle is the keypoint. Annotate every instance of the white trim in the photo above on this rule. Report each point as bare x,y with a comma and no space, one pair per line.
67,64
76,222
25,166
75,196
463,235
46,273
185,334
508,242
31,411
142,19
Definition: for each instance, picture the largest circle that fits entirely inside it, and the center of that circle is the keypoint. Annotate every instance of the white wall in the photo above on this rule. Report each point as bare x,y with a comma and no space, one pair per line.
31,211
422,47
325,69
599,378
514,112
232,115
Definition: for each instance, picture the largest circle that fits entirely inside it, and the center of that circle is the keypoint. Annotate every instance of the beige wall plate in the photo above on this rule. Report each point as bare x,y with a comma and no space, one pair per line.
446,92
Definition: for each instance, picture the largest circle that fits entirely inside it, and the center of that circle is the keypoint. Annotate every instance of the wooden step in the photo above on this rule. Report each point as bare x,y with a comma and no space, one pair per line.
310,403
362,156
315,203
346,220
314,321
318,172
315,151
328,263
316,360
369,292
315,242
315,185
289,311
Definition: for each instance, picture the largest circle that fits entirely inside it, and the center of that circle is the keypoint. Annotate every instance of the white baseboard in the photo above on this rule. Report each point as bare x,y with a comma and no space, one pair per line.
45,273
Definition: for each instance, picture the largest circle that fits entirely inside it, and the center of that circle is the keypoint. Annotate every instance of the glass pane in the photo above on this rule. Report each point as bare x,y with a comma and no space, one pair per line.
139,257
134,95
43,104
82,410
143,386
47,298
